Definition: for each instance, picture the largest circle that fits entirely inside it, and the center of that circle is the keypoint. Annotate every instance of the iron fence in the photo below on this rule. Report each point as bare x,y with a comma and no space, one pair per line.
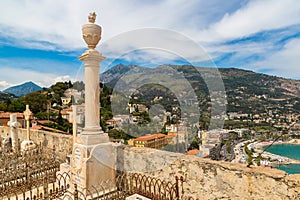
126,184
26,171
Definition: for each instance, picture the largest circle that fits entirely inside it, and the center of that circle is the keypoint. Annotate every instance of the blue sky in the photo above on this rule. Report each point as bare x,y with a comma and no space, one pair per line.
41,40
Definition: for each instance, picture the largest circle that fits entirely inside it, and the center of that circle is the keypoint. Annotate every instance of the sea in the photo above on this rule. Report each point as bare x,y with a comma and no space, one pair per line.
288,150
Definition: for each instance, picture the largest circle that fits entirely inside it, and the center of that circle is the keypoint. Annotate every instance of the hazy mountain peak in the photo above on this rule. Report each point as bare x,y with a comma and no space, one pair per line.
23,89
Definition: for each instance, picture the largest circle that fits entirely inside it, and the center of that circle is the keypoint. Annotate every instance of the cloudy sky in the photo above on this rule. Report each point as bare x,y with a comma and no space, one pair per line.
41,40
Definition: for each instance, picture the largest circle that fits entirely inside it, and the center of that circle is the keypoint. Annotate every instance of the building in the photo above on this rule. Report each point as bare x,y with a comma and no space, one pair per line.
172,128
5,117
156,141
195,152
137,107
72,95
121,119
67,114
111,123
66,100
177,137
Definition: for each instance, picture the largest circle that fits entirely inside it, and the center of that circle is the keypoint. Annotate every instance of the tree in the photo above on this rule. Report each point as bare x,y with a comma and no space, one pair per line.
58,90
79,86
17,105
59,119
37,101
118,134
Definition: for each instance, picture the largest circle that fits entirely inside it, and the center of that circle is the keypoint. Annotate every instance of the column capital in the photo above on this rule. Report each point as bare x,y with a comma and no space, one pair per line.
91,55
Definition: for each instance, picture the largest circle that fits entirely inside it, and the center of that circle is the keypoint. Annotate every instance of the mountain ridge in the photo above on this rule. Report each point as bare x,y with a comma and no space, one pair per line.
247,91
23,89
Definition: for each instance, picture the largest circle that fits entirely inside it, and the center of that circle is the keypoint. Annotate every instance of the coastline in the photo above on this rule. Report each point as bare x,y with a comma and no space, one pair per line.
281,160
293,141
272,160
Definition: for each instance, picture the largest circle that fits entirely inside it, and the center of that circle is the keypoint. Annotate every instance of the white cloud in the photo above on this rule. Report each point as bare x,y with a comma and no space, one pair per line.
56,24
256,16
60,22
284,63
4,84
62,78
154,46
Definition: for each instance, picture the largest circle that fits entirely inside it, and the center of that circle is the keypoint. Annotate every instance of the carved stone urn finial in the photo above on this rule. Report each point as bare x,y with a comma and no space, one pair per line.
91,32
92,17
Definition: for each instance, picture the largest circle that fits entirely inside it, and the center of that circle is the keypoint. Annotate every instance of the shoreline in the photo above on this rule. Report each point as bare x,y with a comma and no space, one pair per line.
293,141
282,160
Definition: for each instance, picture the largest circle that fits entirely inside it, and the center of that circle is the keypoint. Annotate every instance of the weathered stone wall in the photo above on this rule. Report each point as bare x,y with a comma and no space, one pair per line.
207,179
63,143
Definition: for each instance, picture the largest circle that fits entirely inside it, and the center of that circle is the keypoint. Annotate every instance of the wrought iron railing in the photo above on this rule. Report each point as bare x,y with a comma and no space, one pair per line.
24,171
125,185
42,191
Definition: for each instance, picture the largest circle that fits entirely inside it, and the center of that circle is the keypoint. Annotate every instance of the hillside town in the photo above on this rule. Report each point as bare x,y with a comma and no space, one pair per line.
199,109
168,133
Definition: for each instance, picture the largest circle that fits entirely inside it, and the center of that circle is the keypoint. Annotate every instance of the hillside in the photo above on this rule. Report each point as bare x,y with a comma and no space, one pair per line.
5,96
115,73
247,92
23,89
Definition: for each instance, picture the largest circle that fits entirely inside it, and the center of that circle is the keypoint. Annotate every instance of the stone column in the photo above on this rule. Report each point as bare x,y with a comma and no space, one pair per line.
14,124
91,59
27,114
93,157
92,132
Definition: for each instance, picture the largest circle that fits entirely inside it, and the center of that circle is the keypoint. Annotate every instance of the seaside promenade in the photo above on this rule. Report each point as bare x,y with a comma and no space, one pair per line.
274,159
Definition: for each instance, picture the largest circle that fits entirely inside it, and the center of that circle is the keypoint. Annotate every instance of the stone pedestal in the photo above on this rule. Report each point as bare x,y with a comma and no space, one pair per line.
93,165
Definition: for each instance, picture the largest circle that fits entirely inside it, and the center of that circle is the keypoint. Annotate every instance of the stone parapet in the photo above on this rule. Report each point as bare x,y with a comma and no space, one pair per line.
207,179
63,143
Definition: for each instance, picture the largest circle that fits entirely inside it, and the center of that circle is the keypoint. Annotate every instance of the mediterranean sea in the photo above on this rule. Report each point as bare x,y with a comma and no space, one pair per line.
288,150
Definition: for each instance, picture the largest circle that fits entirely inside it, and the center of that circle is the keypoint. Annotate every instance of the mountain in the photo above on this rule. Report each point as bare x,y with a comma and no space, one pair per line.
113,75
23,89
247,92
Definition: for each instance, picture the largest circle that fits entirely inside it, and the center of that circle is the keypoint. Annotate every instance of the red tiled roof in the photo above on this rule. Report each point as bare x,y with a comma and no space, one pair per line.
7,114
193,152
150,137
36,127
172,133
170,136
176,125
52,129
44,121
47,129
68,109
63,112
